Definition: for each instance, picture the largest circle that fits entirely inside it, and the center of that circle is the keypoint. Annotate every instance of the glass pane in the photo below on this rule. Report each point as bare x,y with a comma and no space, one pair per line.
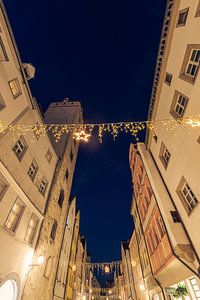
193,55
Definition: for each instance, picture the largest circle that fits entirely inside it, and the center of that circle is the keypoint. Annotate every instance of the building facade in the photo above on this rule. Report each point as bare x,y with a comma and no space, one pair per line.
72,260
63,265
27,166
41,280
168,248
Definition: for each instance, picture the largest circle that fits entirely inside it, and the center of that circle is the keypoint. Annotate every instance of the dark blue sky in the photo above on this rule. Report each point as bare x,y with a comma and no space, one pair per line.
102,52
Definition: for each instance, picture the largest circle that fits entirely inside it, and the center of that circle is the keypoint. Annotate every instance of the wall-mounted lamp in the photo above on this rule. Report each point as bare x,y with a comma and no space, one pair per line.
39,261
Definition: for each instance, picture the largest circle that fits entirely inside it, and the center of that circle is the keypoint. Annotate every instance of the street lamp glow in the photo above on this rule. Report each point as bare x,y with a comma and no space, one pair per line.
142,287
40,260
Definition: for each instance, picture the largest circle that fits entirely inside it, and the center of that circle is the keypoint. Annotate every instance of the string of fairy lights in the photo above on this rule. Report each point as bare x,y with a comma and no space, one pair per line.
83,132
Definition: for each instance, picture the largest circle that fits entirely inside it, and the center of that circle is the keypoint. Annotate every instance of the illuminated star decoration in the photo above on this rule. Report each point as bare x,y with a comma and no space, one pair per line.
82,136
107,269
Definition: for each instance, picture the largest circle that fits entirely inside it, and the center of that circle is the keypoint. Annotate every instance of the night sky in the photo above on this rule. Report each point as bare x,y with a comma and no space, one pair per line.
102,52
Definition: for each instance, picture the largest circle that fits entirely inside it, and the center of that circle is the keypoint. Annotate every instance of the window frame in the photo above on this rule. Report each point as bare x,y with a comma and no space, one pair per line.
163,150
61,198
183,198
181,12
21,139
30,241
19,93
5,185
44,192
197,14
16,225
36,170
54,230
188,53
174,104
48,155
169,75
3,48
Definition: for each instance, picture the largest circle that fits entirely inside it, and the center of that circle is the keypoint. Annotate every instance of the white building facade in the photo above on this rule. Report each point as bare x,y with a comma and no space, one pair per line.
27,165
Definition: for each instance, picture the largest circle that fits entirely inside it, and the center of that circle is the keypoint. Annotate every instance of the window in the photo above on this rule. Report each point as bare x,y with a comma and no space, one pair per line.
31,229
190,65
71,155
182,17
160,226
61,198
3,54
33,170
187,196
193,64
53,230
175,216
15,215
48,156
2,103
3,186
20,148
198,10
67,174
164,155
179,104
15,88
195,287
168,78
155,138
43,186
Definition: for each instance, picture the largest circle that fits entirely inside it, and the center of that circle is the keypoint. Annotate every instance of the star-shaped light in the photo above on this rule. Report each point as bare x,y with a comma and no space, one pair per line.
107,269
82,136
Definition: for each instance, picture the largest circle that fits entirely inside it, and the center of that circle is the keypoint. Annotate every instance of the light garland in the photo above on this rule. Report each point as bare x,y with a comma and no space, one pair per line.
83,132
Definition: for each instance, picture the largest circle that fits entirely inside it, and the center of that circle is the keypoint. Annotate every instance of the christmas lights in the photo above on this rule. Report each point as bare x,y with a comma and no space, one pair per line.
83,132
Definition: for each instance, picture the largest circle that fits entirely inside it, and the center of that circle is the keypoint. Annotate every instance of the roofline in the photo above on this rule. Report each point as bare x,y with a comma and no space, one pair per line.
165,42
32,102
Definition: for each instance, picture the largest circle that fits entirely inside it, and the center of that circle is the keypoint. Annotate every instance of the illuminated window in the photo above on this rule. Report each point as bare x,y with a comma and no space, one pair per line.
15,88
182,17
31,229
179,104
33,170
195,288
20,148
15,215
3,54
8,290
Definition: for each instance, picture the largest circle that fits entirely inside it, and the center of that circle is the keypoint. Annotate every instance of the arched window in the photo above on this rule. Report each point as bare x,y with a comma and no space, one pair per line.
8,290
